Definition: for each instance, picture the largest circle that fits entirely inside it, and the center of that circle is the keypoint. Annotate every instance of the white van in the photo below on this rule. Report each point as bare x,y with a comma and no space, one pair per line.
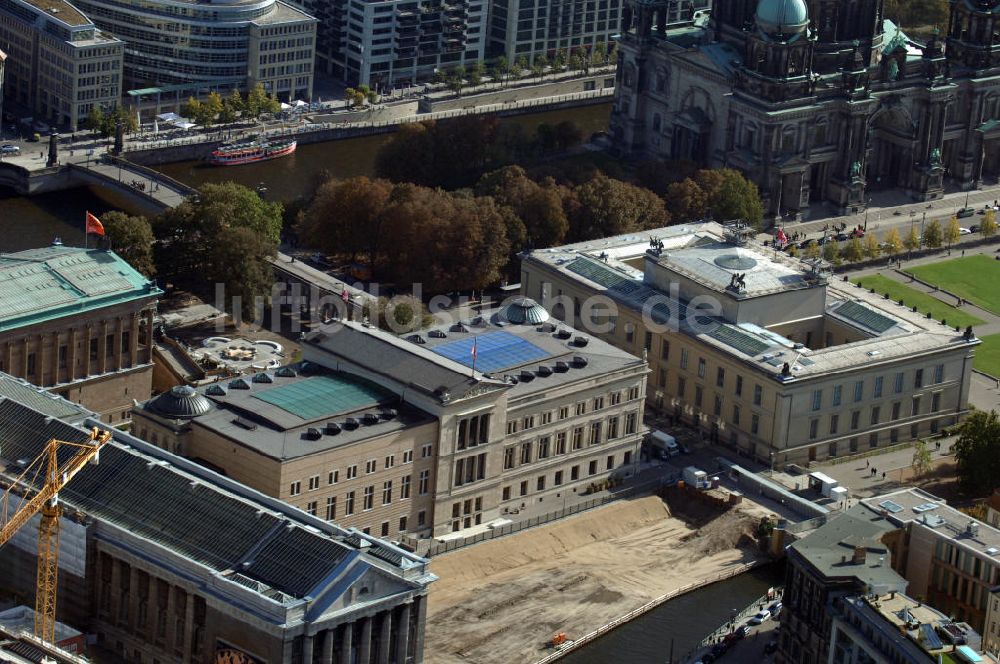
664,444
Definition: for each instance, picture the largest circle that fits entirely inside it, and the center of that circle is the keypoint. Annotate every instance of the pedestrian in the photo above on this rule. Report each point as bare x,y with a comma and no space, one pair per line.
963,252
867,463
883,475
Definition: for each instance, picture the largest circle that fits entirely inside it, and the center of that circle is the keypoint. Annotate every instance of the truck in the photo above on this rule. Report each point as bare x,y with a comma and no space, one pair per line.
695,477
663,445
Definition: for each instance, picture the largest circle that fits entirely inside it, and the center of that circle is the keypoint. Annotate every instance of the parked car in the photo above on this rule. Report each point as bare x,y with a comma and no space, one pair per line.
843,237
761,617
965,212
774,608
10,149
770,647
964,231
974,229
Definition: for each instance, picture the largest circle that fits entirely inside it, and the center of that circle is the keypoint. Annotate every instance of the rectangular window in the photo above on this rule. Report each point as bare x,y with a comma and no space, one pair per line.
541,483
404,487
834,420
684,358
543,447
387,492
505,493
525,453
331,508
877,391
473,431
664,349
758,395
697,395
592,468
528,422
63,352
425,478
876,411
754,423
701,367
895,410
629,333
681,386
390,461
859,389
817,400
916,406
610,462
349,503
935,402
333,477
427,451
408,456
561,442
511,428
574,473
557,480
314,482
31,364
295,489
918,379
855,419
352,472
509,456
873,440
311,507
421,518
369,498
93,349
836,394
612,428
717,407
547,417
739,385
578,438
897,384
581,408
813,428
939,374
125,341
371,466
384,529
631,423
524,488
563,412
595,433
720,377
598,403
647,342
736,415
402,524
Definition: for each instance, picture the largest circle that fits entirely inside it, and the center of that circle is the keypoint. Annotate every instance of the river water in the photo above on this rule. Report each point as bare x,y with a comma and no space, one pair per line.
39,219
685,620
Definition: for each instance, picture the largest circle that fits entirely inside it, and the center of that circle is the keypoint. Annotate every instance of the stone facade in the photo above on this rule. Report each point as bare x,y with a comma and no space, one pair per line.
829,109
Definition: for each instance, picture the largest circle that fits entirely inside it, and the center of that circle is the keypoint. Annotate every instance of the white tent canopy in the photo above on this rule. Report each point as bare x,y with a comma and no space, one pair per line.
183,124
299,103
169,117
285,106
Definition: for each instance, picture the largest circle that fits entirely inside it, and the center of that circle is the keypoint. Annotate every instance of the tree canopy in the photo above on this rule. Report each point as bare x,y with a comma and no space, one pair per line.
977,453
132,239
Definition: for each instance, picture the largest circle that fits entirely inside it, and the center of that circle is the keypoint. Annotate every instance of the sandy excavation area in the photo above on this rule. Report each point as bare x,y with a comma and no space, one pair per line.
501,601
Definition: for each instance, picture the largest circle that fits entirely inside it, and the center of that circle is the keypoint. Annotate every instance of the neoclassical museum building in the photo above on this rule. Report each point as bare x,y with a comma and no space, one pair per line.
814,100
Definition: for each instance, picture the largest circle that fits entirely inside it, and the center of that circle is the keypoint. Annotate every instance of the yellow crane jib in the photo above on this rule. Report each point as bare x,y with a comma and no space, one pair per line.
34,491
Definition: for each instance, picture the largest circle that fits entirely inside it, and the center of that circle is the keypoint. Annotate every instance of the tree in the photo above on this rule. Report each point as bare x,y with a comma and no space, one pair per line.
831,253
110,122
225,235
893,243
501,70
912,241
977,453
457,79
400,315
539,65
612,207
933,234
476,73
600,53
232,106
793,251
520,65
854,252
731,196
871,247
344,218
95,119
686,200
132,239
210,109
988,226
191,109
559,61
812,250
921,463
256,102
952,232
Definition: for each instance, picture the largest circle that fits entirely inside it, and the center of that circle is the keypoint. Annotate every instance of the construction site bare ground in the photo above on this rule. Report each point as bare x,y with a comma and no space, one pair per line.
502,600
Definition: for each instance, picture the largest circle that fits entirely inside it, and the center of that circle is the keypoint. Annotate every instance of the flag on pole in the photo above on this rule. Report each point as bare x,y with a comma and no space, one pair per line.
94,225
781,237
475,353
345,296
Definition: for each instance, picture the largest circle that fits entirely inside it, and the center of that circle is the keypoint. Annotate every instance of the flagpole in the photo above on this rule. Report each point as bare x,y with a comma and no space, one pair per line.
85,230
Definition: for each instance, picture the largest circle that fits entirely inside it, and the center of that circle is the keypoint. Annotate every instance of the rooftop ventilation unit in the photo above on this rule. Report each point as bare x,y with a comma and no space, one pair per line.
239,384
244,424
312,433
417,339
561,367
580,342
547,327
332,429
285,372
458,327
526,376
564,334
262,377
544,371
370,418
437,334
972,529
579,361
350,423
992,551
932,520
388,414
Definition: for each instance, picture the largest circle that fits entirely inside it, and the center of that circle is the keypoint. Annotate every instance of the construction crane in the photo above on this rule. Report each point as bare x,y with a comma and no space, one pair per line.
36,490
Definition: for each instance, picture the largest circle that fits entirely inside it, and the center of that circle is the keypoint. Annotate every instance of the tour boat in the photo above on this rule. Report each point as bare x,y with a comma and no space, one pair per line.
248,152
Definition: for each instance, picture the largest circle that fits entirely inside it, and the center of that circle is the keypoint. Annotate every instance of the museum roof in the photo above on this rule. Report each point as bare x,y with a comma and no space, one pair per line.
831,548
38,285
916,506
522,359
610,267
292,412
44,402
259,544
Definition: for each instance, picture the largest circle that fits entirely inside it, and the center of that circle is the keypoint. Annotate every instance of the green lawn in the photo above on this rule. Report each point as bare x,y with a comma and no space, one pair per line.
987,357
924,302
974,278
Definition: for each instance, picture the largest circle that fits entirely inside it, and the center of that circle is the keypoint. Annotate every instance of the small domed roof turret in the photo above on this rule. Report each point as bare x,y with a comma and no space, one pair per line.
182,401
523,311
782,17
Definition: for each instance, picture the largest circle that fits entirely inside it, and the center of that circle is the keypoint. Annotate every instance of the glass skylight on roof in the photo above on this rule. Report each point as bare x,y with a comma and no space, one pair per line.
495,351
742,341
891,506
862,315
925,507
322,396
596,272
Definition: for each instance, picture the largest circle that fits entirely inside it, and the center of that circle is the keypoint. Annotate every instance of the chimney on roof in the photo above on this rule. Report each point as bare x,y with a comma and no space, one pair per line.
859,555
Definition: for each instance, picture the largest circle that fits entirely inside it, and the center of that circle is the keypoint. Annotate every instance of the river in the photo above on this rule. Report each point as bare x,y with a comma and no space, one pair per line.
685,620
39,219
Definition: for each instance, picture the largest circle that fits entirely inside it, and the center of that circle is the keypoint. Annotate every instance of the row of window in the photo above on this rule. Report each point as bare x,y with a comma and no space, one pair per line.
559,477
349,504
562,442
858,389
351,472
580,408
874,415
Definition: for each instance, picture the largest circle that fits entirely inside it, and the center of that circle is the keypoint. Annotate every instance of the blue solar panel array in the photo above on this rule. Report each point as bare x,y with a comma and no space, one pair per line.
495,351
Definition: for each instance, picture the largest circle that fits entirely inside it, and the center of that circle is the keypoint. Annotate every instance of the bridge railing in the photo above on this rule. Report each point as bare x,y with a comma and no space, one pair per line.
150,174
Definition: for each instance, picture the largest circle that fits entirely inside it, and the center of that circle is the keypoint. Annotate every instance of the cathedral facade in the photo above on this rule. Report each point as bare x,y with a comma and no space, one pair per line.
813,100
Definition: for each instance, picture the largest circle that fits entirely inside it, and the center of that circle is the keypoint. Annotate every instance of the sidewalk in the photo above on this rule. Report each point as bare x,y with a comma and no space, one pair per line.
856,474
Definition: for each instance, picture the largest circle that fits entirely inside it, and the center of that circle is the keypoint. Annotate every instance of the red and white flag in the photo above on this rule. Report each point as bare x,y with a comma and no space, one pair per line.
781,237
94,225
345,296
474,352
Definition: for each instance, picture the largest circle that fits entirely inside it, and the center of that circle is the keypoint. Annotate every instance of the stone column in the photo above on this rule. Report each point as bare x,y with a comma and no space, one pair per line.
116,346
365,647
326,657
188,628
102,347
345,643
403,630
133,598
149,335
8,357
116,590
420,605
171,619
307,649
133,341
383,637
24,360
71,356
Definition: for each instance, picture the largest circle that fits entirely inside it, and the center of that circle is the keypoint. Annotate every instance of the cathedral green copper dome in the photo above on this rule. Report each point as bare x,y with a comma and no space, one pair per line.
782,17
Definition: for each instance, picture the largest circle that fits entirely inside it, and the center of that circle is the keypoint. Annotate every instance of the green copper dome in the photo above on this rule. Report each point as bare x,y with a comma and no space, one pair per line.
782,17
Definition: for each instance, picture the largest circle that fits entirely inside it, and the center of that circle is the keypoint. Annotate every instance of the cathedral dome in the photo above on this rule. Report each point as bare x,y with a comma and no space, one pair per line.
182,401
782,17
